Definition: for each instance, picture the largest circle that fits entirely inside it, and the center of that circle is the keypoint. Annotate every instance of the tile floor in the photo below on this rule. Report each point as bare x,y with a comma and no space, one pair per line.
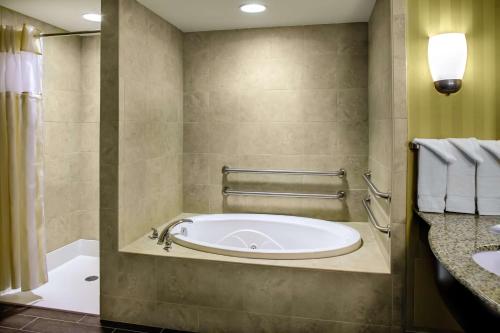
15,318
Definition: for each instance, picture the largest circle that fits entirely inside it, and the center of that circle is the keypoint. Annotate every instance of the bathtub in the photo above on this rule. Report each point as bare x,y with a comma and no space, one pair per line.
266,236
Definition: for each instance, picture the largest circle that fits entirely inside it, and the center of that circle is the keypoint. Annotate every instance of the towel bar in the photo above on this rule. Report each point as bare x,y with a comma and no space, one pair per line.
371,217
413,146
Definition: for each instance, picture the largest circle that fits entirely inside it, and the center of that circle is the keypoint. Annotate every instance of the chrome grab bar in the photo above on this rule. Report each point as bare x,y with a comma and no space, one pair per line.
339,173
340,195
371,217
374,189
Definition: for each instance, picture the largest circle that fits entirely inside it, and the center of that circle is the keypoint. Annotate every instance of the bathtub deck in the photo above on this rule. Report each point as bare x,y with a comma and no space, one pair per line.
367,259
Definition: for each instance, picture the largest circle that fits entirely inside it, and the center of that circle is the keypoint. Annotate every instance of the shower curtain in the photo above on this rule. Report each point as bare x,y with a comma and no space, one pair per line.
22,234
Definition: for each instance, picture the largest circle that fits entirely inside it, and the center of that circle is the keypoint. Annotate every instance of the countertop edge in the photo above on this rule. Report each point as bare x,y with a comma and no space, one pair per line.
437,249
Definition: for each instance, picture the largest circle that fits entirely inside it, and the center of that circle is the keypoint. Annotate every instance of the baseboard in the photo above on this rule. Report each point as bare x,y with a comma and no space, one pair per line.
80,247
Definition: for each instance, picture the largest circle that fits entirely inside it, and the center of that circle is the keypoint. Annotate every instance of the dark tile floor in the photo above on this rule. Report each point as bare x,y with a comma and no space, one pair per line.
14,318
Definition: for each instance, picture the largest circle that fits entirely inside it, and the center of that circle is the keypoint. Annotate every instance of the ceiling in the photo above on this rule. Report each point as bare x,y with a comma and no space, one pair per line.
203,15
65,14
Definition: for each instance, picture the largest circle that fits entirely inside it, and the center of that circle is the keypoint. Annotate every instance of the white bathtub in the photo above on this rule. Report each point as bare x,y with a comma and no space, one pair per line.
266,236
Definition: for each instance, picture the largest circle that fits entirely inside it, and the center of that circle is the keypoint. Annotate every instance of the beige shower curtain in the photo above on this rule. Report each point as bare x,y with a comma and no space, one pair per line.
22,233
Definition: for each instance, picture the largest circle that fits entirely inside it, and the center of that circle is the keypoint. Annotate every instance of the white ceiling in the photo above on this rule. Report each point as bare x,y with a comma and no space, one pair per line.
203,15
65,14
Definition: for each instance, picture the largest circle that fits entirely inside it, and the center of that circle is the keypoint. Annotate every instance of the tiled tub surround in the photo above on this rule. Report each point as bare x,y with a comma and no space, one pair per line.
283,98
368,258
454,238
301,106
196,291
380,115
71,120
150,141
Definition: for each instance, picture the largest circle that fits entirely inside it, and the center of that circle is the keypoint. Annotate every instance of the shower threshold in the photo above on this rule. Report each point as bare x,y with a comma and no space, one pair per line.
73,280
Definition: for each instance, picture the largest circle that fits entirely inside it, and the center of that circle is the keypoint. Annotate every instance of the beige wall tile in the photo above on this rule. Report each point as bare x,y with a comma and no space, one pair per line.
379,105
56,194
320,71
196,137
318,105
129,275
342,296
354,136
88,221
321,39
195,198
321,138
196,106
196,169
71,102
268,98
352,104
150,95
223,138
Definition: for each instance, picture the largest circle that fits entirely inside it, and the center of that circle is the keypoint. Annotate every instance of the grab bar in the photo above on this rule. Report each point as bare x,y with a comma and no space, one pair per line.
371,217
340,195
374,189
339,173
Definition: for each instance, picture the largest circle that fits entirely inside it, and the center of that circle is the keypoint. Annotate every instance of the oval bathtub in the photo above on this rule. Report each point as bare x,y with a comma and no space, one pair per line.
266,236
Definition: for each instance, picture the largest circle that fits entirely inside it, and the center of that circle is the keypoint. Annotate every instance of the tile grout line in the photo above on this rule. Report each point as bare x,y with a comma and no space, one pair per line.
27,324
54,319
79,320
78,323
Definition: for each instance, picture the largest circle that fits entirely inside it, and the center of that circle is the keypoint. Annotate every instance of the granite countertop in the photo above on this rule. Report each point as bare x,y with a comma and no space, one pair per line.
454,238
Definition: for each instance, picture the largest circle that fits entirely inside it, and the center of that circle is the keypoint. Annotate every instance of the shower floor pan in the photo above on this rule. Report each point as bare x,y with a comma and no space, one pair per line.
73,280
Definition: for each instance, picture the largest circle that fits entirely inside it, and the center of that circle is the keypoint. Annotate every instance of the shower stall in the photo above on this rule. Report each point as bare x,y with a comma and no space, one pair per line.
69,137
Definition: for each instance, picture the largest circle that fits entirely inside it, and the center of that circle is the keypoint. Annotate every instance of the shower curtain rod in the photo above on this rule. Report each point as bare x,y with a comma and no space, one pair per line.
86,32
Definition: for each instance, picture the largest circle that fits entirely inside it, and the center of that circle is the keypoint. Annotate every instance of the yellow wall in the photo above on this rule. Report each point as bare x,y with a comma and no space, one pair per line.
473,111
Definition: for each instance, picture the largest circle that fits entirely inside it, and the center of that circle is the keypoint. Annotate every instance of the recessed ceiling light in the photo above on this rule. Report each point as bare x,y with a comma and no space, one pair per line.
92,17
252,8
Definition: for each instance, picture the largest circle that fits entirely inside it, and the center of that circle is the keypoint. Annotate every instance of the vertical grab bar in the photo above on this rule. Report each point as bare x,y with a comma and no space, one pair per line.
371,217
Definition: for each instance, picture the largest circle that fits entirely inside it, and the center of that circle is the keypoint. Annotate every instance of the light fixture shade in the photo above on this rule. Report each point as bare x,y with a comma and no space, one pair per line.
447,56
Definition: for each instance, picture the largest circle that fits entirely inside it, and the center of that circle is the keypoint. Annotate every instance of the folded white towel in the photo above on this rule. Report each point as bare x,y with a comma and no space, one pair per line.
461,187
433,159
488,178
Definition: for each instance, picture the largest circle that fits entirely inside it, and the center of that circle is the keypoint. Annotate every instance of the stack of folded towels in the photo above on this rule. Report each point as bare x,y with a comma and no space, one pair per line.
455,174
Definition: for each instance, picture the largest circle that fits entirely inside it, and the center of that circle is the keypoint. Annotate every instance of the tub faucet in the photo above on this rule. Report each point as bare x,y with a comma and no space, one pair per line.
165,234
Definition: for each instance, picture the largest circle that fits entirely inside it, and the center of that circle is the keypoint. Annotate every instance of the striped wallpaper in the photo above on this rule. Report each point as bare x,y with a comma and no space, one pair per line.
475,110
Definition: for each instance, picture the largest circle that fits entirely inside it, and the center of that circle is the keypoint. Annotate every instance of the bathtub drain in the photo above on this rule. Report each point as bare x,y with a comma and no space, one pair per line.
91,278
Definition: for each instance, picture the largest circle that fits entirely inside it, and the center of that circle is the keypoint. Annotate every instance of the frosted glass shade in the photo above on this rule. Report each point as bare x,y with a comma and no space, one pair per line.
447,56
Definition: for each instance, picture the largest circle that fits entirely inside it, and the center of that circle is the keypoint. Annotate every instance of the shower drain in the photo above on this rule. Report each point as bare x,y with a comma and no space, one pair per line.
91,278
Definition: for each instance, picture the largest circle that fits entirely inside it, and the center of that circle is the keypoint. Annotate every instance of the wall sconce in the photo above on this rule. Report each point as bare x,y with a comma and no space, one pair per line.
447,56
